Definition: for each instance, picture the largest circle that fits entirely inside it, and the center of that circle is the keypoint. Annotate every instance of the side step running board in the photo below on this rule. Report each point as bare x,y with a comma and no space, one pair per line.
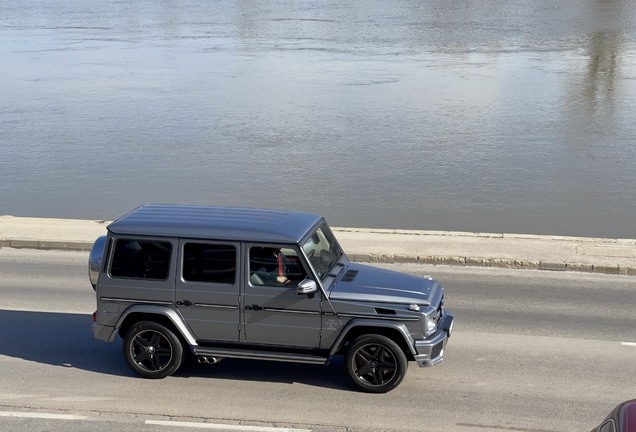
259,355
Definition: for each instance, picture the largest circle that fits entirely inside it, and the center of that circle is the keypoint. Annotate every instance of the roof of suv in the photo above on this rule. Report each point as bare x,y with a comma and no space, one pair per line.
216,223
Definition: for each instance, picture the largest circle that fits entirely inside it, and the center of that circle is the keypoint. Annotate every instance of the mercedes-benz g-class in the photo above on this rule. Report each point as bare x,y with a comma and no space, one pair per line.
257,284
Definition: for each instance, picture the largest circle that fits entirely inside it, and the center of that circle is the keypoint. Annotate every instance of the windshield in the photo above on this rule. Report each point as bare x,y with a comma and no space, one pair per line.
323,251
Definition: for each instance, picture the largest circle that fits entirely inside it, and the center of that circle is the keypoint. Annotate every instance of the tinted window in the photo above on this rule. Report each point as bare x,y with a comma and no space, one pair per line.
209,263
141,259
608,427
275,267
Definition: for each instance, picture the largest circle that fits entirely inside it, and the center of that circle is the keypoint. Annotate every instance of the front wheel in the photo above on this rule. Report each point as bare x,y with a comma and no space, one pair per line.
152,350
375,363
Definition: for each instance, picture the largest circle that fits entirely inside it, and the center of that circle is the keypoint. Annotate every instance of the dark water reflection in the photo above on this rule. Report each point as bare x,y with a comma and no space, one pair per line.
482,115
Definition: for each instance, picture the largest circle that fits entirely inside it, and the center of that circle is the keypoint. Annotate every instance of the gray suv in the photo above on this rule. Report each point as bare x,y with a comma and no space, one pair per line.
257,284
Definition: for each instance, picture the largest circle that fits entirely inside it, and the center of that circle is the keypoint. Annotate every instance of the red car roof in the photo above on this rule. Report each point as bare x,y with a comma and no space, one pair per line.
628,416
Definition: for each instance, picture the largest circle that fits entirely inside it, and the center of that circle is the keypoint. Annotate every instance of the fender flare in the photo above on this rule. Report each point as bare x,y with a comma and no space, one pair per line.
357,322
172,315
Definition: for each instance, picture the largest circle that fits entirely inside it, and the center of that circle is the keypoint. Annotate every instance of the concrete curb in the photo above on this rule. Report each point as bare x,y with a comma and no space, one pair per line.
385,258
46,244
493,262
368,245
617,241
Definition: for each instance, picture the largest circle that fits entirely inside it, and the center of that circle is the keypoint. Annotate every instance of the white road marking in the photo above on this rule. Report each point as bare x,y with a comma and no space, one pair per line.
80,399
16,396
41,415
629,344
224,426
155,422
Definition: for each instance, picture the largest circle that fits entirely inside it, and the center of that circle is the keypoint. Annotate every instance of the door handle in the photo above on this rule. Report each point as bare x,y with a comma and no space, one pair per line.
253,308
184,303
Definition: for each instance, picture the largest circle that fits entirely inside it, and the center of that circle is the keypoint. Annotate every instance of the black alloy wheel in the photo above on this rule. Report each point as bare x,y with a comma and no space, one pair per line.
375,363
152,350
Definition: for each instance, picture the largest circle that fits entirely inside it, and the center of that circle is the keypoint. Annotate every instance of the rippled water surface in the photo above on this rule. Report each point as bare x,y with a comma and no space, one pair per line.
471,115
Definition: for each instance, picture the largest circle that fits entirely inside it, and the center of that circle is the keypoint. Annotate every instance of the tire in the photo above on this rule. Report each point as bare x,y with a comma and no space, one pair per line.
152,350
375,363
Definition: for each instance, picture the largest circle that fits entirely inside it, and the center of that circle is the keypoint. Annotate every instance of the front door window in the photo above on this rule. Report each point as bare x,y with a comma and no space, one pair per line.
275,267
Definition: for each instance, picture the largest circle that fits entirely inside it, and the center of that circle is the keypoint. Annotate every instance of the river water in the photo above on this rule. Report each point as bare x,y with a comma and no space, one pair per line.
470,115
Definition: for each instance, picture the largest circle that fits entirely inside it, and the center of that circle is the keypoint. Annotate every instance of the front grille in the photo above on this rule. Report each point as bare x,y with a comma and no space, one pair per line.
437,350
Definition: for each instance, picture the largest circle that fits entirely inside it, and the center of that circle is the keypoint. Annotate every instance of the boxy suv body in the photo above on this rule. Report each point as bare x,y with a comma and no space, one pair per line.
257,284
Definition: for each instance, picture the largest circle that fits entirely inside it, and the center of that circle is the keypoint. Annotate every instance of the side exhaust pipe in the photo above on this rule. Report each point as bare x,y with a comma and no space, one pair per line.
209,360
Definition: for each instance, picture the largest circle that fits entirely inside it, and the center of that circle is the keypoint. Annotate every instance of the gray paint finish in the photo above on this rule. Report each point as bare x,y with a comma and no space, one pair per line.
216,223
211,310
379,285
213,294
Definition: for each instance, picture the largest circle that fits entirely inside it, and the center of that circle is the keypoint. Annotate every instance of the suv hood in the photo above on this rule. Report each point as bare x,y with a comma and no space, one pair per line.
380,285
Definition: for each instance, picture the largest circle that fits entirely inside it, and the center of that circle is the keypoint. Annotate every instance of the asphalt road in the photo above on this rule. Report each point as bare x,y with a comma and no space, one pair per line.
532,351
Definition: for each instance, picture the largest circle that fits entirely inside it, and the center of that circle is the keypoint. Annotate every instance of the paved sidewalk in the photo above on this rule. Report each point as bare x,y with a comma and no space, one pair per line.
598,255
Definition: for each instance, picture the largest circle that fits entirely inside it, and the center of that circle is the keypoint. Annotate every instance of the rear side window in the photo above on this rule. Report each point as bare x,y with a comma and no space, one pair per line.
213,263
141,259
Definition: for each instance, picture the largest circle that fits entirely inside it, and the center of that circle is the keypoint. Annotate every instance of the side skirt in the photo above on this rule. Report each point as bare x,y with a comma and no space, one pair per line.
260,355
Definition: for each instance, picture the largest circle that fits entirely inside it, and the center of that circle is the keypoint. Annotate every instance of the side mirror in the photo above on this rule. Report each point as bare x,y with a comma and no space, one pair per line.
307,287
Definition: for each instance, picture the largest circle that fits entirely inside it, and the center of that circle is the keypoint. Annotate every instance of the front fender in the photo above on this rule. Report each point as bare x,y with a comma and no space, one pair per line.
361,322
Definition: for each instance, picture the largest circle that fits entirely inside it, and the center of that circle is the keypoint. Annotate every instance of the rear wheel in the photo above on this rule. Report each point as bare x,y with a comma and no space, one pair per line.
152,350
375,363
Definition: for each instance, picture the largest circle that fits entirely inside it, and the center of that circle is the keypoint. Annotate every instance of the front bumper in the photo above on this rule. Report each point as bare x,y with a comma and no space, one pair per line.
104,333
431,351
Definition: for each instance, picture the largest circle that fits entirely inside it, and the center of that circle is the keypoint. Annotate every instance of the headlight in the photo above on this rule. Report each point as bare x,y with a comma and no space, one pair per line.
431,325
433,321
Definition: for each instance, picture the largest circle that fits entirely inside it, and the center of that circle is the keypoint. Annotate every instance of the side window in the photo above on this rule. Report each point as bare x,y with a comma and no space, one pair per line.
141,259
608,427
209,263
275,267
